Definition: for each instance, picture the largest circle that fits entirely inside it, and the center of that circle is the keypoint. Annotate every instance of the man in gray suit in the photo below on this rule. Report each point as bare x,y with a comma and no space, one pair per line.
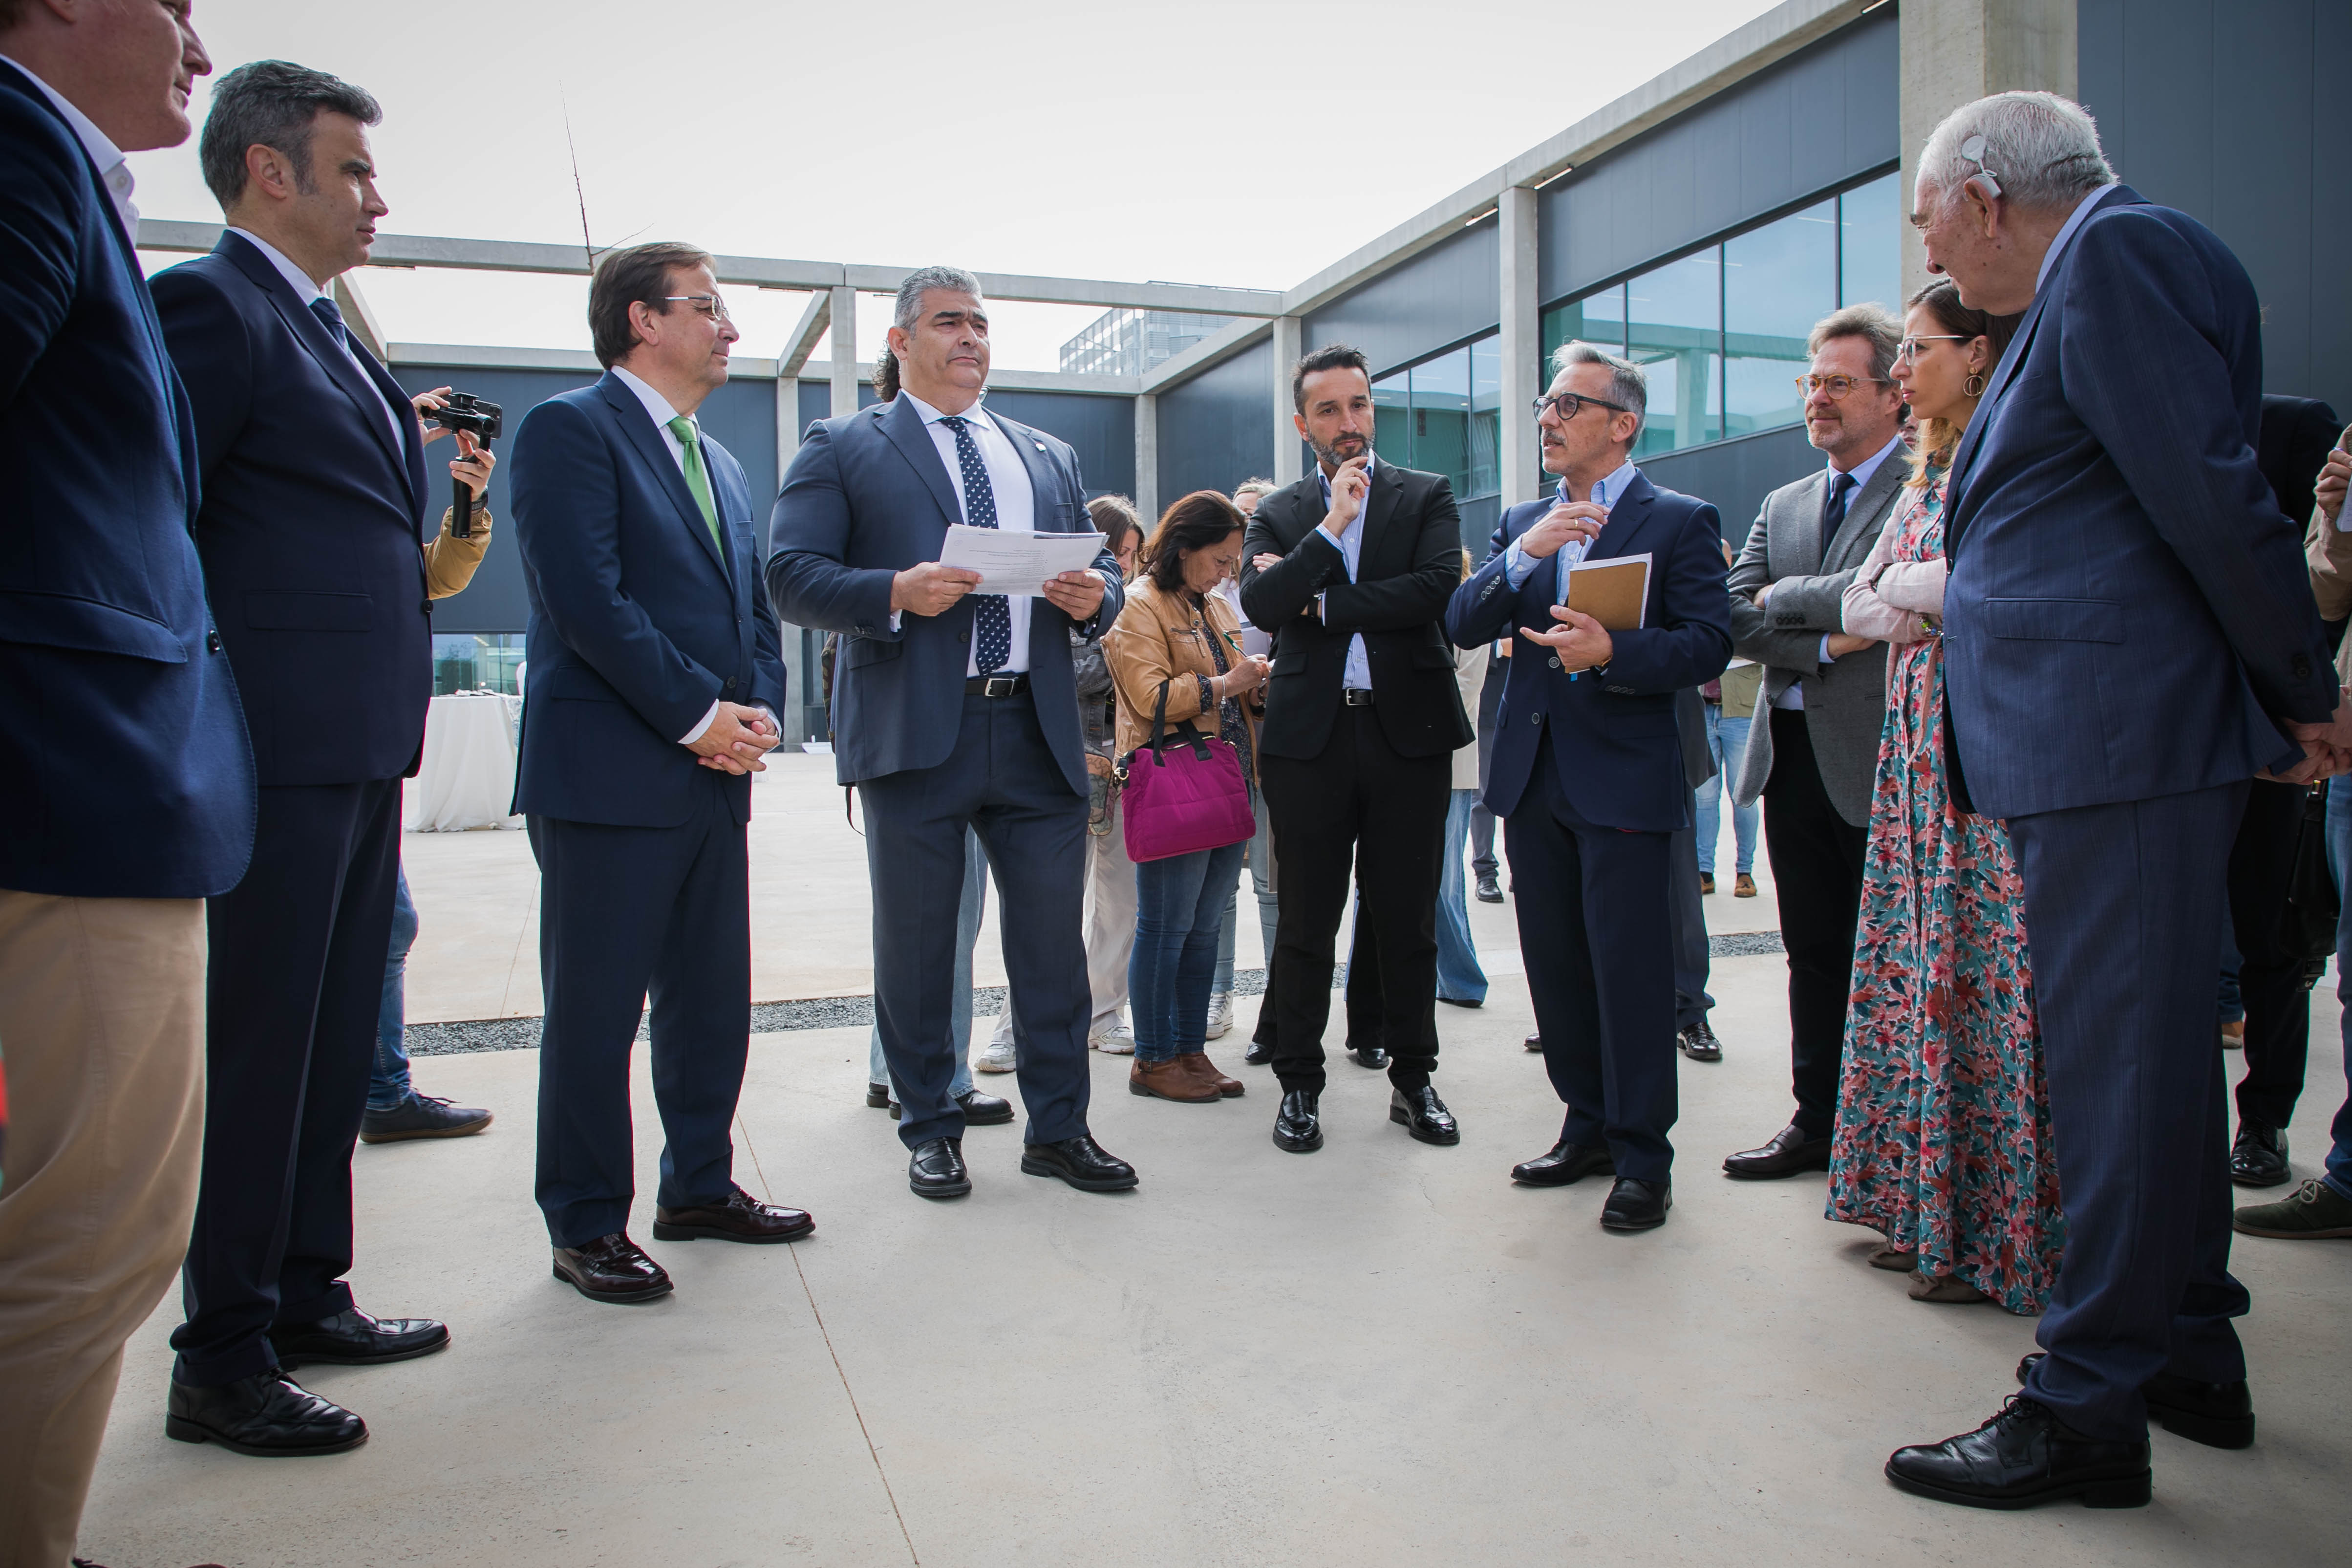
1826,692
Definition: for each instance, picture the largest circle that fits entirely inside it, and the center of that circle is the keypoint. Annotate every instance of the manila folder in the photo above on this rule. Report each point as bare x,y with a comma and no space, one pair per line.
1616,593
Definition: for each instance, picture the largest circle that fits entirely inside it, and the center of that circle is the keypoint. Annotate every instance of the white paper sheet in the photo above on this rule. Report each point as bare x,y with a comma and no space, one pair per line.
1011,562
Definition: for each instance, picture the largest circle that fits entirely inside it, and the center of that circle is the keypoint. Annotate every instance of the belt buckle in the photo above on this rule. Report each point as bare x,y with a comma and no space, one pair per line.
1357,696
1000,686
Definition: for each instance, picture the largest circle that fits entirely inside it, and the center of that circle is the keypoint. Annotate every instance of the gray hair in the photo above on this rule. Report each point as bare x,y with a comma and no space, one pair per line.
273,104
921,281
1629,384
1874,324
2041,148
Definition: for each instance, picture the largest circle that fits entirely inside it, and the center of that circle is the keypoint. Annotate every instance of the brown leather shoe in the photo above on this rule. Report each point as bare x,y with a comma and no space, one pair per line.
1171,1081
738,1216
1206,1071
1743,885
612,1269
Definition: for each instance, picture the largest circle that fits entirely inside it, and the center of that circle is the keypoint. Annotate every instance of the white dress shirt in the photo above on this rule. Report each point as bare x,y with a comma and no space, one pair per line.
306,290
1793,700
1350,546
113,168
1016,507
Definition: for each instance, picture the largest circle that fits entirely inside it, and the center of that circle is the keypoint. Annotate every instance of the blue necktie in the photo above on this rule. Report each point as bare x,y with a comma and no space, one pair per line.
993,623
324,308
1834,510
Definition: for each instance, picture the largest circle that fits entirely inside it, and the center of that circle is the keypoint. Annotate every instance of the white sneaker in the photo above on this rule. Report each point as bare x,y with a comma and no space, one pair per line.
1119,1040
995,1057
1221,1015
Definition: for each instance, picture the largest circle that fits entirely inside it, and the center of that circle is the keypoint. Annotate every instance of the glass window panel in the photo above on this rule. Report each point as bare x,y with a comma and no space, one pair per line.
1440,417
1674,330
1597,319
1486,416
1777,282
468,662
1870,219
1392,420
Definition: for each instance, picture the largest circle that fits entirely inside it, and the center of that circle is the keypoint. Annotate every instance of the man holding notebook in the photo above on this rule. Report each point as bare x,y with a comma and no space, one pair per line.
1587,773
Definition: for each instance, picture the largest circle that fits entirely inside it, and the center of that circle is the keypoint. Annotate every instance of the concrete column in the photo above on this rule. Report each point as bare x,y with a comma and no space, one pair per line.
1522,346
1955,51
359,319
1286,349
1147,457
845,352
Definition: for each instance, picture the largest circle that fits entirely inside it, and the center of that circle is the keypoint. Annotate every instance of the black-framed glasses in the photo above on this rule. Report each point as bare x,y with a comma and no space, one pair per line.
1838,387
1566,403
710,305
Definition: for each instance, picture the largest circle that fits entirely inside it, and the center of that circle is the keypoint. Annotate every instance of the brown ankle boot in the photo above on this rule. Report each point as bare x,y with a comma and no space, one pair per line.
1206,1071
1171,1081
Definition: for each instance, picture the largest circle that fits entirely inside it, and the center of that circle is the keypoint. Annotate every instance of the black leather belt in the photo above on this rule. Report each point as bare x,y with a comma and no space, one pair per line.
995,685
1356,697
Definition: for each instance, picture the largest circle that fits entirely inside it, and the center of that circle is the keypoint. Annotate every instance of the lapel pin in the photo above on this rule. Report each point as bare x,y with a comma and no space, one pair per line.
1040,446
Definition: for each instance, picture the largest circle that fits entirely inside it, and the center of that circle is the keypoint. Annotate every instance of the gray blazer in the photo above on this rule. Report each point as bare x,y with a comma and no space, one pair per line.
1845,702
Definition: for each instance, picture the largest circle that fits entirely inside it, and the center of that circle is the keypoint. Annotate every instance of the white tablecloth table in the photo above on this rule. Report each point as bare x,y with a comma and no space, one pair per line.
468,776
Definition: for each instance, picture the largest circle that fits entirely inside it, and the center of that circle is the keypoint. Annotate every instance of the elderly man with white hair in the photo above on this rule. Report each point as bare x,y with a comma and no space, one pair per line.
2129,637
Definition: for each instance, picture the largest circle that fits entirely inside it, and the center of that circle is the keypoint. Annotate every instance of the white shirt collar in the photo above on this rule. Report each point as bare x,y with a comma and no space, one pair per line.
1862,471
2074,221
113,168
658,409
305,287
1616,484
932,416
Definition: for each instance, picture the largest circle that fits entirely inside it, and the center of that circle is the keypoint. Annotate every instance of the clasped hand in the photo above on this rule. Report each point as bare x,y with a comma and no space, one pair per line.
2326,750
1581,641
737,741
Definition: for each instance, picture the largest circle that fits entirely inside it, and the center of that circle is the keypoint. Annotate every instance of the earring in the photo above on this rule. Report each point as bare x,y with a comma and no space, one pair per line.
1973,386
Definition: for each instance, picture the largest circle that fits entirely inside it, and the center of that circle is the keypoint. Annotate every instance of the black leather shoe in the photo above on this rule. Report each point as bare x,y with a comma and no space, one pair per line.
1374,1056
2024,1455
1699,1044
2258,1159
1422,1114
351,1337
612,1269
1533,1042
1260,1052
1636,1204
936,1168
738,1216
268,1415
978,1109
421,1116
1299,1125
2218,1414
1564,1164
1788,1151
878,1095
1081,1162
1488,892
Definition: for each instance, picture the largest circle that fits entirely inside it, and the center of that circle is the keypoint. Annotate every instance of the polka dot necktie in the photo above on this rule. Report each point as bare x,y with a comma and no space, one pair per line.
993,626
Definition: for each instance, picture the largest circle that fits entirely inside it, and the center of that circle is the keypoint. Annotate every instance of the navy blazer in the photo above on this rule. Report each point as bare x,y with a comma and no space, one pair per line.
124,771
1615,747
639,621
312,522
867,497
2128,611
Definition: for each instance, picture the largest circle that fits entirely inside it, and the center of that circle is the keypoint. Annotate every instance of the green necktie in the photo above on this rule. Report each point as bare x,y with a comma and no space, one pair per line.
696,479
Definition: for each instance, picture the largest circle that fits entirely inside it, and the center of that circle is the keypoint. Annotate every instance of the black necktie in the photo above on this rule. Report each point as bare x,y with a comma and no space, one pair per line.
1834,513
993,625
324,308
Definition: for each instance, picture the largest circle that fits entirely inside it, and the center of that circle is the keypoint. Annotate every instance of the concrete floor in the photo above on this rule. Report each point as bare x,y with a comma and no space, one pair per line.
1380,1353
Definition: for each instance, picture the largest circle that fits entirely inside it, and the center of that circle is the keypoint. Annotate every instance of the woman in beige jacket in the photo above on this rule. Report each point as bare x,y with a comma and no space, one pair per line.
1179,642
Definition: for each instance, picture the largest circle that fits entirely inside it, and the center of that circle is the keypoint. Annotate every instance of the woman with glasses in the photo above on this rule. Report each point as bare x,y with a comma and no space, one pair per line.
1943,1130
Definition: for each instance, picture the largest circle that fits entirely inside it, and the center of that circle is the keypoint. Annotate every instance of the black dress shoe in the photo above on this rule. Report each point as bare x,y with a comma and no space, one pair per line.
1788,1151
2218,1414
2258,1159
268,1415
1564,1164
1422,1114
738,1216
612,1269
1699,1044
1081,1162
1488,891
1458,1001
421,1116
1533,1042
2025,1455
936,1168
1260,1052
351,1337
1636,1204
1374,1056
878,1095
1298,1124
984,1110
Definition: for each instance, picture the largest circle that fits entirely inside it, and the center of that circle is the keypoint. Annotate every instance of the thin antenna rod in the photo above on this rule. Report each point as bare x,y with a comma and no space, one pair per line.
587,244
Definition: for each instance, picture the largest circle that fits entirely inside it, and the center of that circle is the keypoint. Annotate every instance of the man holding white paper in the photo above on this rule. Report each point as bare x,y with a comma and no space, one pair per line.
1587,770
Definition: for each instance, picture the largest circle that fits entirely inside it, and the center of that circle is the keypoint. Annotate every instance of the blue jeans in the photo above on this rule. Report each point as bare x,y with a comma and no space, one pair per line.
388,1086
1261,871
1726,742
2340,855
1459,978
968,913
1176,919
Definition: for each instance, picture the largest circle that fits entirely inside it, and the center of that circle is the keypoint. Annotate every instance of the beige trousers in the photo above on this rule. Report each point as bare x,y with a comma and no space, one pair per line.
102,1038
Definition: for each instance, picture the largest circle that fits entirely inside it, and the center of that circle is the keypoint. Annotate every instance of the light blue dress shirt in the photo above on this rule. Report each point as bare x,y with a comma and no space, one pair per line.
1350,546
1522,566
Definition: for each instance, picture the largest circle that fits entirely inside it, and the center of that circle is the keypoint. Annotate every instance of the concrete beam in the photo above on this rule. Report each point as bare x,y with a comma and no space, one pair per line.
1212,350
357,316
1521,346
480,356
1287,461
845,353
1147,457
804,341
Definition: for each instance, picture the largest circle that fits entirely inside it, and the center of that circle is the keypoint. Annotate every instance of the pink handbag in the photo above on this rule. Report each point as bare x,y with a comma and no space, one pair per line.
1183,795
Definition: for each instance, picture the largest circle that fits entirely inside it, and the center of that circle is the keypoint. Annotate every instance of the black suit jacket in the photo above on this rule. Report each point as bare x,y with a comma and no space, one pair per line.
1408,565
2296,434
312,527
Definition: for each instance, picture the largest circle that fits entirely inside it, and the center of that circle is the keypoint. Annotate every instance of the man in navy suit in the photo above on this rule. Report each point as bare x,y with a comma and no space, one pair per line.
2128,637
1588,772
125,780
654,686
312,540
952,709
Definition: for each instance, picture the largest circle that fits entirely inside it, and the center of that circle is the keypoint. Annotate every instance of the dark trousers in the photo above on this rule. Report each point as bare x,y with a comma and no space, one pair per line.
2270,978
2123,918
1685,907
1002,781
1359,805
629,915
1482,841
1593,901
1817,870
291,993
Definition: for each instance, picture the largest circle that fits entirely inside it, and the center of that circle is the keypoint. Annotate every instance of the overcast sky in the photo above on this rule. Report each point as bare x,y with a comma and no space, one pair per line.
1248,143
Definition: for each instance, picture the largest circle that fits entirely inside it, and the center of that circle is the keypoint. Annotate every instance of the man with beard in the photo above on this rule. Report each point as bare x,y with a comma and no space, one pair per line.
1363,717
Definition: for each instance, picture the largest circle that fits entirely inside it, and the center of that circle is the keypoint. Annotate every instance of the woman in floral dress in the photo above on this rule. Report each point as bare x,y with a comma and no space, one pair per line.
1943,1130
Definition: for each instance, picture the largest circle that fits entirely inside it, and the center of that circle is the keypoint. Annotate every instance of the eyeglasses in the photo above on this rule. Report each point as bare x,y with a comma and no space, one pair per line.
710,305
1909,351
1566,403
1837,386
